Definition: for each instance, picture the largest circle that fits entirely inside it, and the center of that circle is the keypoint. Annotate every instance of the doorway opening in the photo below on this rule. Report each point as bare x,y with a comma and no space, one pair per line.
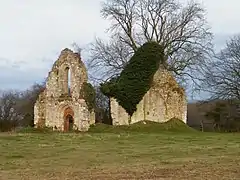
68,119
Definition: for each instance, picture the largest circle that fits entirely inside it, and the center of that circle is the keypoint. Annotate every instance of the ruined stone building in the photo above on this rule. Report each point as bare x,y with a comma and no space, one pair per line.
163,101
61,105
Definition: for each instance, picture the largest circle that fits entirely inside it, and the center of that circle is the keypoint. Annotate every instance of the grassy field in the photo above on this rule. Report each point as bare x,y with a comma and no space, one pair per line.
138,152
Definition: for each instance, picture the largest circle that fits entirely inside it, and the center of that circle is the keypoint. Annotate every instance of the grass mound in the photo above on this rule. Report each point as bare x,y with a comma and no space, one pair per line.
173,125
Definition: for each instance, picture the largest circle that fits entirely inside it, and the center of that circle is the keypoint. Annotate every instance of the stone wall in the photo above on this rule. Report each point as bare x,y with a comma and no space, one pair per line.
49,109
164,100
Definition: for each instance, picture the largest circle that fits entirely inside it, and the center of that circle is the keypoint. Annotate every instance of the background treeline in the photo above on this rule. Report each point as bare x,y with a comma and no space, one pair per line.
17,108
215,115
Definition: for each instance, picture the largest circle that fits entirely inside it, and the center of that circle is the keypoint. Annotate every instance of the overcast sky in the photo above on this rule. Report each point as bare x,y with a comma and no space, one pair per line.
33,32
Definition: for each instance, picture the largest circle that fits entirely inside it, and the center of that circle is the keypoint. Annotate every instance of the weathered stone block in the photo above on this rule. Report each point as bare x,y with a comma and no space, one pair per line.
164,100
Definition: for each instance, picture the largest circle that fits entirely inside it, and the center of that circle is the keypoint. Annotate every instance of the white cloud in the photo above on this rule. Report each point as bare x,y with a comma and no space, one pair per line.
223,16
32,29
33,33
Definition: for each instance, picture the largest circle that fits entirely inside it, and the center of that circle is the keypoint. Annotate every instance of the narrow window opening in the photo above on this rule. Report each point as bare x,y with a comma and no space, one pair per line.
68,81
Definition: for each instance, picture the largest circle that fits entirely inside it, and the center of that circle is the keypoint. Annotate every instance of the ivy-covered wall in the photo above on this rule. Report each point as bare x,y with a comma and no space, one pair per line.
135,80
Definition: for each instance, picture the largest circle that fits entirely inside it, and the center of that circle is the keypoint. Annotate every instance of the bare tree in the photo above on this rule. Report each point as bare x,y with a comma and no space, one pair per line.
17,107
9,114
102,101
222,76
181,30
102,110
107,59
26,103
222,82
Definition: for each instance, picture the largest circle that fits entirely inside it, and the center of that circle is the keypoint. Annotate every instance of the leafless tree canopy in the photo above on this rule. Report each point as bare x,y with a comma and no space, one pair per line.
181,30
9,114
222,76
16,107
108,58
8,106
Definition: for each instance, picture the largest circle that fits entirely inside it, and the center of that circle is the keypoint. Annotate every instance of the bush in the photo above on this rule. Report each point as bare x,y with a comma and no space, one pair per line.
135,80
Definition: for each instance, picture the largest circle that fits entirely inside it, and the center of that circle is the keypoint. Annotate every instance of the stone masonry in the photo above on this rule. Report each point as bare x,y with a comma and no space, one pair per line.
164,100
61,106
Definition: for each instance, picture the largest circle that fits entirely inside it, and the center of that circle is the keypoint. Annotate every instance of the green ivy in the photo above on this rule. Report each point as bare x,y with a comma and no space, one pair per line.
89,95
109,88
135,80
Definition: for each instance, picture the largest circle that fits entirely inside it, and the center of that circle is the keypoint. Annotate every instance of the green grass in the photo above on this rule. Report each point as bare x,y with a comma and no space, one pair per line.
169,151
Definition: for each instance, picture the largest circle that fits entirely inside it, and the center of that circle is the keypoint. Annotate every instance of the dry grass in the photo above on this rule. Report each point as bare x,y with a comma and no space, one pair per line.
164,155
